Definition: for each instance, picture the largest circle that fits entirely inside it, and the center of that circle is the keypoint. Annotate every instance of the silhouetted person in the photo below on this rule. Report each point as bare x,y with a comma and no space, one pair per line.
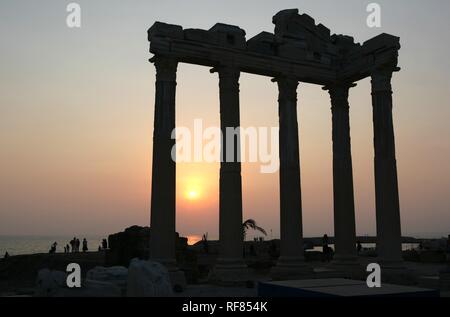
105,244
325,249
325,240
85,246
6,255
68,248
77,245
100,247
358,246
73,244
53,247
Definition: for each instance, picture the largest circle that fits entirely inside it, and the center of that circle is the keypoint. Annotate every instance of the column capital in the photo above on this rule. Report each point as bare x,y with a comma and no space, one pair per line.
287,87
228,77
339,94
338,85
381,79
287,81
226,70
166,68
229,73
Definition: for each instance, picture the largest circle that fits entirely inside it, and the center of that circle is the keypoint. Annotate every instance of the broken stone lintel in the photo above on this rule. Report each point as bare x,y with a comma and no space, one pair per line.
160,29
381,42
229,35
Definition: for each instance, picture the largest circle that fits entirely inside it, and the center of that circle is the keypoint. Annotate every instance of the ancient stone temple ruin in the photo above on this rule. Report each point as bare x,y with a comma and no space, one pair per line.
302,51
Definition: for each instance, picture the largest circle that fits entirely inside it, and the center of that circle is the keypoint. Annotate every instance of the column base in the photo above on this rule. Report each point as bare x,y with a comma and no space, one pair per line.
390,264
291,268
230,272
348,266
396,272
444,280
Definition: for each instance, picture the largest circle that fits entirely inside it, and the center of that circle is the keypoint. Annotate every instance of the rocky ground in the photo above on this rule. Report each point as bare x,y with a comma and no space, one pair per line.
18,273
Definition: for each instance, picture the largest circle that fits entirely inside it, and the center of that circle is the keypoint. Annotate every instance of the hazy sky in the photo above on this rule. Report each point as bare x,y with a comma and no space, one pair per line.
76,117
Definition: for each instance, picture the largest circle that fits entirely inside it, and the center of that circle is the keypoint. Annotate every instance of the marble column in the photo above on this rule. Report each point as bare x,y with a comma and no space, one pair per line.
291,262
386,187
230,264
343,199
162,240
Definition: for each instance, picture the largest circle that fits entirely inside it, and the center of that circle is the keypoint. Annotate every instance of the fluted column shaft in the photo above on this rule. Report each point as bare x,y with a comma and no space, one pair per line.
343,198
291,231
386,186
162,241
230,201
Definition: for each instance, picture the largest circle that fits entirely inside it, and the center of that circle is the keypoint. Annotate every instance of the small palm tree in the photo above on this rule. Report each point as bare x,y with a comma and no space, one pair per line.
251,224
205,243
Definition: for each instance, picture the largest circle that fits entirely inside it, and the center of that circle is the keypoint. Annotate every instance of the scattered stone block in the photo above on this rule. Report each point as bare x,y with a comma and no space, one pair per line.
48,283
148,279
117,275
53,284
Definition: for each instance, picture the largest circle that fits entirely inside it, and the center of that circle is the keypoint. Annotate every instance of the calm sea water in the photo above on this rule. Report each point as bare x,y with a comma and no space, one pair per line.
405,246
16,245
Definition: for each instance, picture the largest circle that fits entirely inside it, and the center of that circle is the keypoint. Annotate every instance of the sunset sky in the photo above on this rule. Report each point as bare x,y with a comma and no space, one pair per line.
76,117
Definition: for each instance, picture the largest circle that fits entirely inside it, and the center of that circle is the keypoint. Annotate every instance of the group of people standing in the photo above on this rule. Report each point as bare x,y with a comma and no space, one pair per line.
75,245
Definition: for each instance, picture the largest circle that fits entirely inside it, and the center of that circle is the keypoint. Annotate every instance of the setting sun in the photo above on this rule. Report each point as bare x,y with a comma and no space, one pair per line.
196,183
192,194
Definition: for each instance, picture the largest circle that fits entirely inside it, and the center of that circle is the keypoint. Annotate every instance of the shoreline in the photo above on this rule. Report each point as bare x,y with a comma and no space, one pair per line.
310,243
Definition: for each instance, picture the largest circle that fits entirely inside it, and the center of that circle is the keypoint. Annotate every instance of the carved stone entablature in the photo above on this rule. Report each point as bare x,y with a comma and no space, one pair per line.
380,52
298,48
229,35
202,36
290,24
263,43
300,37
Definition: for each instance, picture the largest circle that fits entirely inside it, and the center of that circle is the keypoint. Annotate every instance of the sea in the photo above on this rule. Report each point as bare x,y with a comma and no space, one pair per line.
17,245
405,246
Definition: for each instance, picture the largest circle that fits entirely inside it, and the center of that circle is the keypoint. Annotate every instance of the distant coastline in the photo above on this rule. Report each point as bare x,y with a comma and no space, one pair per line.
35,244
